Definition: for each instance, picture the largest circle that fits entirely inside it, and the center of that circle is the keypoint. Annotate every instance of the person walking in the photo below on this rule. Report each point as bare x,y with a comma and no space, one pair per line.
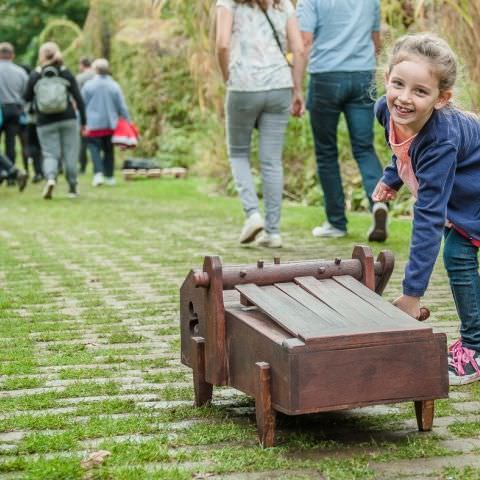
342,38
105,105
52,87
262,90
13,82
85,74
31,150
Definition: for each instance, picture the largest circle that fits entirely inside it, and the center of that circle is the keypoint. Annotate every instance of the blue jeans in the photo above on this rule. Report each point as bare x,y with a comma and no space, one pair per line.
461,262
101,151
329,95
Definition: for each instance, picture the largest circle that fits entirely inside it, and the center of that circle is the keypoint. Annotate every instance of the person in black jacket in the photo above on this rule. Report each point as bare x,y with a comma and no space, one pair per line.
52,87
31,149
8,171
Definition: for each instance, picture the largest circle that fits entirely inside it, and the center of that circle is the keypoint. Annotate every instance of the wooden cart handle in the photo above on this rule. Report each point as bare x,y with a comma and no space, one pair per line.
424,314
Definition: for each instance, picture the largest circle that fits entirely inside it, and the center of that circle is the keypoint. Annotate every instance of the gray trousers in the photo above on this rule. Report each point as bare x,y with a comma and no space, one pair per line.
270,110
60,143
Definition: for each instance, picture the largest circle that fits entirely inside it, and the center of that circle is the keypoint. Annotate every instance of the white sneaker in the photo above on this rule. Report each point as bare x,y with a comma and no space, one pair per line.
378,231
328,231
48,189
270,240
97,179
252,226
110,181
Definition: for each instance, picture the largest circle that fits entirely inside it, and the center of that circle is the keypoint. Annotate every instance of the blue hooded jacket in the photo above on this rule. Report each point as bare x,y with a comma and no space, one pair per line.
446,161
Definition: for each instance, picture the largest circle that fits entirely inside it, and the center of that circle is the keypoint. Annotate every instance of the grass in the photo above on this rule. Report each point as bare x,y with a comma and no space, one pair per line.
72,319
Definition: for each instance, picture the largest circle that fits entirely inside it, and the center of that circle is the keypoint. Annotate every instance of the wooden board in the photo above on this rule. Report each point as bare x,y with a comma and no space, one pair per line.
374,299
315,311
285,311
353,299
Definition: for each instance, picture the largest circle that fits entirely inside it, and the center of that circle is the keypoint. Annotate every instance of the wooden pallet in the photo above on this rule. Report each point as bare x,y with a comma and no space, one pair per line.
173,172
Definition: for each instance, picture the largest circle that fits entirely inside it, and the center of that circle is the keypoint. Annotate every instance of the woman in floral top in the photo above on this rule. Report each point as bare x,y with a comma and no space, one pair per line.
262,89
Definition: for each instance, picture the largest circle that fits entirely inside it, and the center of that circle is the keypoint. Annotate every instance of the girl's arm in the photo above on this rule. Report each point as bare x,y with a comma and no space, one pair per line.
299,63
224,35
435,173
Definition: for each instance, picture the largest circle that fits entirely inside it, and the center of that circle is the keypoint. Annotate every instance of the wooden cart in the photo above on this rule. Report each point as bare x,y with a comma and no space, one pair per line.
305,337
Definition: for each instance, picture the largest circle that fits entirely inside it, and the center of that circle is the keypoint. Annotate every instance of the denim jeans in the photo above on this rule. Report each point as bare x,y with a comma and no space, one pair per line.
270,109
461,262
101,151
329,95
11,128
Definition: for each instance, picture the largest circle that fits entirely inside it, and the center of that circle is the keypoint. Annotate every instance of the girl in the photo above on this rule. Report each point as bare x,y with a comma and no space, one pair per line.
251,44
436,154
57,124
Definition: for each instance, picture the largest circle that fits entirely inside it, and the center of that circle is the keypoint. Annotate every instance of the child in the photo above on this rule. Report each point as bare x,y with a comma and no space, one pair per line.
436,154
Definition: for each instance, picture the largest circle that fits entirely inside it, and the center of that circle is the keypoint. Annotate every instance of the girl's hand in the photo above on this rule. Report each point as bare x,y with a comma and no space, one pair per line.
410,305
383,193
297,108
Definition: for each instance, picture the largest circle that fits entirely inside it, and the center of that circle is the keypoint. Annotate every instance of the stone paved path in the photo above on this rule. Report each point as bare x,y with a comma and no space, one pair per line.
89,354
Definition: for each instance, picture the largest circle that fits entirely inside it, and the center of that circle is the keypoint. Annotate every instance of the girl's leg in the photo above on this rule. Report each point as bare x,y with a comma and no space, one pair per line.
461,261
70,138
272,125
242,109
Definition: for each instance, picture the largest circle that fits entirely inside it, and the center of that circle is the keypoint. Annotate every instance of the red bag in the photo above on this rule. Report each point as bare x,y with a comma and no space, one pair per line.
125,134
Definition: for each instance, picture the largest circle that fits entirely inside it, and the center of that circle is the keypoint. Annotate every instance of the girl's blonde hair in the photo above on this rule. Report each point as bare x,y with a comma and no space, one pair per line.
434,50
50,54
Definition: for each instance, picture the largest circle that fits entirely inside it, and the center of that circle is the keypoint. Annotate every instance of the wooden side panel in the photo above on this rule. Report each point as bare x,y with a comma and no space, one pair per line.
383,374
193,315
387,262
215,358
246,346
365,255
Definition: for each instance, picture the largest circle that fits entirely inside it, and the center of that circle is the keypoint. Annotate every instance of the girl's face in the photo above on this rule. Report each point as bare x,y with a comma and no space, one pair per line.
413,94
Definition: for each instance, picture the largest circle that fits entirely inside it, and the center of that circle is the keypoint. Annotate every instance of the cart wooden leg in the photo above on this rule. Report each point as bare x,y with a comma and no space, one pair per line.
424,411
263,406
203,390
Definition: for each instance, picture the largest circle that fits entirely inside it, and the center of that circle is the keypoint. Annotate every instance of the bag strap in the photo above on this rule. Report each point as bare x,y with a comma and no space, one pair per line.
275,34
50,69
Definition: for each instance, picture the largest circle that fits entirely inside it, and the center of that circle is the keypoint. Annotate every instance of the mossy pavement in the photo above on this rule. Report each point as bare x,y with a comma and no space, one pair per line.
89,357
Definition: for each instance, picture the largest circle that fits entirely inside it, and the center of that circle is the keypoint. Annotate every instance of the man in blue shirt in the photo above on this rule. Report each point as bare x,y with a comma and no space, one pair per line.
343,37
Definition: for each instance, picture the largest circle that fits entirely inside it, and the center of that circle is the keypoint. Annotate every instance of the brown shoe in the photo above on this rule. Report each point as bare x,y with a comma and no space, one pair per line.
22,180
48,189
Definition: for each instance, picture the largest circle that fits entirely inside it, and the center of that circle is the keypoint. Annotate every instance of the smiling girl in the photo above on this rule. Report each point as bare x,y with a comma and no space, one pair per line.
436,154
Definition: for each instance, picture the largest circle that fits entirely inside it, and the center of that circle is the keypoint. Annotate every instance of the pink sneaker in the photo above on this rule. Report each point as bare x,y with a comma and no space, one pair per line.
463,364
